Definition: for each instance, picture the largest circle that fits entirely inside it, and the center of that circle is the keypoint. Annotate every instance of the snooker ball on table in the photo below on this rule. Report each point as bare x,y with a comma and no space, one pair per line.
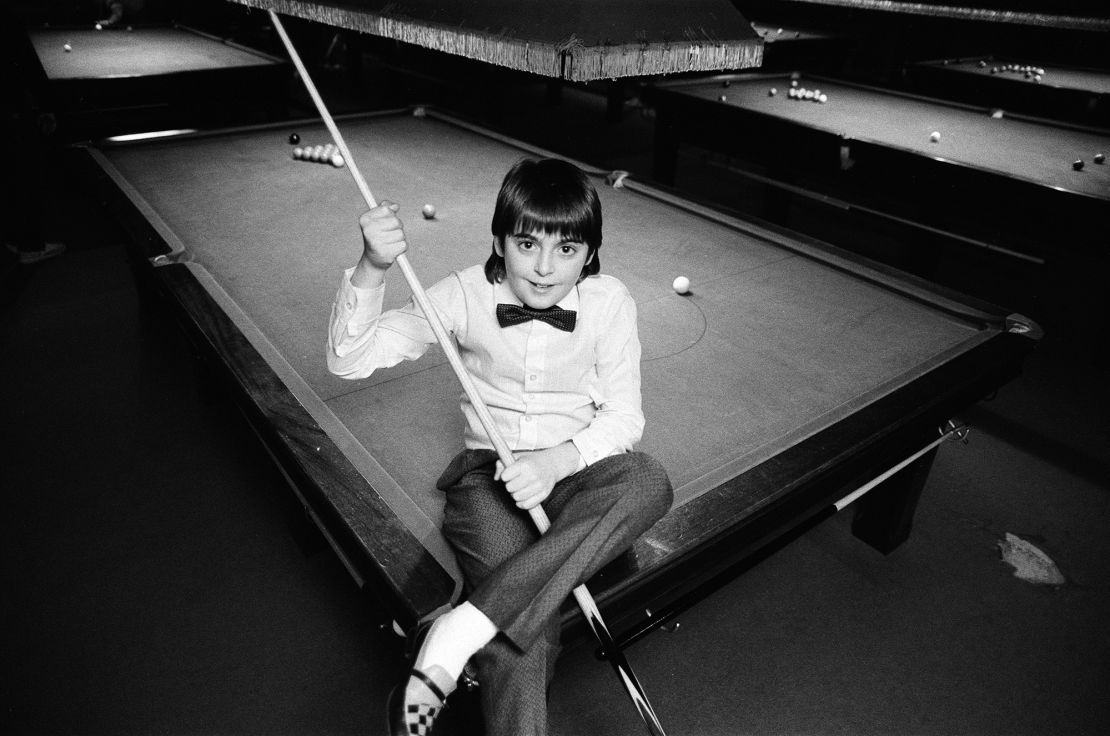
1077,164
1099,158
934,136
429,212
681,285
67,47
294,139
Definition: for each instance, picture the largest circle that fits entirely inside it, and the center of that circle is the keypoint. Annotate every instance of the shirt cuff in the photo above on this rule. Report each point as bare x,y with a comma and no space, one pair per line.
360,305
589,450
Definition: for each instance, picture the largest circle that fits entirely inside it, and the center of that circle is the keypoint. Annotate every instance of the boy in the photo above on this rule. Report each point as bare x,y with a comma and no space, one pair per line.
554,352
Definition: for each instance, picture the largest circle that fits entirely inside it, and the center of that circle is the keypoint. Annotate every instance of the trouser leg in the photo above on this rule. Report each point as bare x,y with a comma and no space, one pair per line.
595,515
519,579
514,684
486,529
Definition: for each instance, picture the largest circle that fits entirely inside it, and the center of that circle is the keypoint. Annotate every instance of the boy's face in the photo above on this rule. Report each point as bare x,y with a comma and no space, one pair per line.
540,268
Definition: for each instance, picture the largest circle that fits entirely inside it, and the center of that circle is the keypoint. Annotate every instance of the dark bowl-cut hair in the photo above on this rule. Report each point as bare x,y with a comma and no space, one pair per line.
548,196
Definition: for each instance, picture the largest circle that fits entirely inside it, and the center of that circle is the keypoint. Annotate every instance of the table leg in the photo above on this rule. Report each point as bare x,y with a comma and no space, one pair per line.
884,517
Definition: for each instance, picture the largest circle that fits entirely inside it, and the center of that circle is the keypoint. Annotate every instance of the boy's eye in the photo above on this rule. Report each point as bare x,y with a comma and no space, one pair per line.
525,244
568,250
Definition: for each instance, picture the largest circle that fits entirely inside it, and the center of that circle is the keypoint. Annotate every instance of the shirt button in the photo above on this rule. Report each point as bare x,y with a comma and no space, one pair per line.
527,419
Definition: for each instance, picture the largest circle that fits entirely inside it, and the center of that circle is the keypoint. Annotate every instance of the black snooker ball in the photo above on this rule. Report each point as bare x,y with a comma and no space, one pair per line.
294,139
1099,158
1077,164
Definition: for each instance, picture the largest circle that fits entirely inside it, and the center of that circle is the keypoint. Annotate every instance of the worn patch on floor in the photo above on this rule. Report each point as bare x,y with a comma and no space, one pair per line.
1029,563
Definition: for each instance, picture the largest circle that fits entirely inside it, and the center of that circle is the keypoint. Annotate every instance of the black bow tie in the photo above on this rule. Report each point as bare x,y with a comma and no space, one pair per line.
513,314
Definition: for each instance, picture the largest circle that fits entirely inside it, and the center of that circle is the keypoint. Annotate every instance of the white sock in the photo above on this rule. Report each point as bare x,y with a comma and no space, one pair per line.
454,638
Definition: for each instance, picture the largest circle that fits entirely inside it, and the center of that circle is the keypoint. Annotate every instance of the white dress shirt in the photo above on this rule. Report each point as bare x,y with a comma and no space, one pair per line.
543,386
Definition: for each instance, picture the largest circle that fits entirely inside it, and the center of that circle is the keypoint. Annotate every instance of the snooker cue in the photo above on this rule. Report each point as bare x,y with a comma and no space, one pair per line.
660,616
539,516
953,430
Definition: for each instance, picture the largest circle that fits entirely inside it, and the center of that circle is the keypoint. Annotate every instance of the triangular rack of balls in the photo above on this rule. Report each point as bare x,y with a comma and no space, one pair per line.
797,92
327,153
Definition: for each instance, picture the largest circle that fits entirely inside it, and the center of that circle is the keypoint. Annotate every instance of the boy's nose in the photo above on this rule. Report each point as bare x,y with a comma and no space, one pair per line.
543,264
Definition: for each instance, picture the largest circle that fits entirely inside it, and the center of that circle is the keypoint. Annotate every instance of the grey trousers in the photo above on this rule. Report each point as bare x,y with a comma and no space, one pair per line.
520,579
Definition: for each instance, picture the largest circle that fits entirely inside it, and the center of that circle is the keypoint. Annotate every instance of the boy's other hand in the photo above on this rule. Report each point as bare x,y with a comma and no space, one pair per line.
532,477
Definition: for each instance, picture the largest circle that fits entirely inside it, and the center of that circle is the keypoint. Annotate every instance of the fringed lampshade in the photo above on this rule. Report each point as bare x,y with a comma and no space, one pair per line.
576,40
1083,15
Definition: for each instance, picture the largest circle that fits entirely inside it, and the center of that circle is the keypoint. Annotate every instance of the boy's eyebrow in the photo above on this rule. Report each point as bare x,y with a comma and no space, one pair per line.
534,236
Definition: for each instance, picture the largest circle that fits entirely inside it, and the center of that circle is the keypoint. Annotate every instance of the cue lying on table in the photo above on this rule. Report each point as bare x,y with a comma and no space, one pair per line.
539,516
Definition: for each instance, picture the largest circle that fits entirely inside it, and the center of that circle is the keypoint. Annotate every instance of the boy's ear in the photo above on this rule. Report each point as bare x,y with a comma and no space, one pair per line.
499,247
589,257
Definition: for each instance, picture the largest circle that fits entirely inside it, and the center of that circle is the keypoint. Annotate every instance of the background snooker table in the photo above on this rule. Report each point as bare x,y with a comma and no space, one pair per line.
792,374
1008,182
161,75
1078,94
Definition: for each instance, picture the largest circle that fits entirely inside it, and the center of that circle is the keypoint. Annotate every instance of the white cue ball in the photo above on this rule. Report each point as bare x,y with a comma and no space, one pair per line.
429,212
681,285
934,136
67,47
337,160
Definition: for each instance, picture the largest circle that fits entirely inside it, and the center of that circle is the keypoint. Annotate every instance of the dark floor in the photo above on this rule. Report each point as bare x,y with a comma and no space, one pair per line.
156,579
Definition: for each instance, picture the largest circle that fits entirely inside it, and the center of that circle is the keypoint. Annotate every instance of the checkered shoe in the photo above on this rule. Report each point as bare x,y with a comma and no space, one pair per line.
418,718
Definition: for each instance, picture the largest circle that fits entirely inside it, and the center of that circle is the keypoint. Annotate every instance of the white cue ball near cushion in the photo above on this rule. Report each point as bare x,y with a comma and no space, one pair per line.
429,212
681,285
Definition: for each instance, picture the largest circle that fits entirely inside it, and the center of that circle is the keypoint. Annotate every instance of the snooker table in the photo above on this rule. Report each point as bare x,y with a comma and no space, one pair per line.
122,80
1006,181
791,374
1073,93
